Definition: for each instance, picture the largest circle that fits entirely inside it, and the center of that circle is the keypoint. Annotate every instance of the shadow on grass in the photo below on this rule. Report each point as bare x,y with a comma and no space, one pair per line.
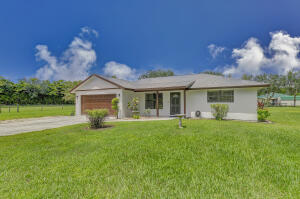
107,126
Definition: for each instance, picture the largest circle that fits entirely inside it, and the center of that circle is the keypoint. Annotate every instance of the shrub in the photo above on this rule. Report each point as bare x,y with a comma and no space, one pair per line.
147,112
97,117
219,111
136,116
115,106
263,114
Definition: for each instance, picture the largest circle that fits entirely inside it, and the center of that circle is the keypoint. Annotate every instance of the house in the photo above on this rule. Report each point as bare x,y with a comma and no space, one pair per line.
166,96
279,99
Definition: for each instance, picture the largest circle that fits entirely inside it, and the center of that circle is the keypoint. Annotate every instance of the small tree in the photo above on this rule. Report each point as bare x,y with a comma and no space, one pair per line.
293,83
262,113
219,111
133,105
97,117
115,106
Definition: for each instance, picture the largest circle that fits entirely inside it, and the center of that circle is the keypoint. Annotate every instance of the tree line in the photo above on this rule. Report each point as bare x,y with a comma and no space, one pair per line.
35,91
287,84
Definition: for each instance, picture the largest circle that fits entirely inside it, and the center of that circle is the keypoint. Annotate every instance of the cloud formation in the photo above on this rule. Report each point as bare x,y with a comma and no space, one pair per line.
75,62
121,71
88,31
215,50
279,57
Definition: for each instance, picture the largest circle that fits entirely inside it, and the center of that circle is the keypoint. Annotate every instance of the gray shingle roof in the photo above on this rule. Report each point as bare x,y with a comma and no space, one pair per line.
196,81
121,82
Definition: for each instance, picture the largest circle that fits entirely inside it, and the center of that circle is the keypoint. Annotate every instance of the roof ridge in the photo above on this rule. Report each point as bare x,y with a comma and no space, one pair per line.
170,76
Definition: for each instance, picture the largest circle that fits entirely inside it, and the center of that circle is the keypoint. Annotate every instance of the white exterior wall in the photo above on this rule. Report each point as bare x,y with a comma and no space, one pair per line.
244,106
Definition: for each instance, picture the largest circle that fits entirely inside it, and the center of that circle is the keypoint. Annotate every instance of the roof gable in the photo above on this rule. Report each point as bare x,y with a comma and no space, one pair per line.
95,82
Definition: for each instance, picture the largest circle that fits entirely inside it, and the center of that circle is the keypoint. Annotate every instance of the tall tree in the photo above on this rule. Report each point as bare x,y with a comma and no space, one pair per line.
156,73
69,97
247,77
6,91
293,84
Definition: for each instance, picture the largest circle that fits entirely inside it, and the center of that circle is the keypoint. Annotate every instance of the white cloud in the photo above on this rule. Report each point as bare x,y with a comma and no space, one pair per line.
88,30
285,50
215,50
121,71
74,64
280,56
249,59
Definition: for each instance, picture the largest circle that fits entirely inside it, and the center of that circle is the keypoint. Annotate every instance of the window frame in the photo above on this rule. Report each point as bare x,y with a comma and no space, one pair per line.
153,101
221,96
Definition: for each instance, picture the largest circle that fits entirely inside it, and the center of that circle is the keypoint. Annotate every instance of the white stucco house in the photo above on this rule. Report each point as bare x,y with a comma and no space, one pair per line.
166,96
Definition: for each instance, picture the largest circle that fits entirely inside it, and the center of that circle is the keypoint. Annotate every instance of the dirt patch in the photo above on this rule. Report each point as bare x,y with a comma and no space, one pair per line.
99,129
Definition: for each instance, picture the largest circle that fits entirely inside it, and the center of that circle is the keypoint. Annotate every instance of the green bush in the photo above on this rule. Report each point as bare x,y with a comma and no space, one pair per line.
136,116
219,111
115,106
97,117
263,114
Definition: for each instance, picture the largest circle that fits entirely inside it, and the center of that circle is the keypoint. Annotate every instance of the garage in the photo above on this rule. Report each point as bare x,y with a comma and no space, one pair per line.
102,101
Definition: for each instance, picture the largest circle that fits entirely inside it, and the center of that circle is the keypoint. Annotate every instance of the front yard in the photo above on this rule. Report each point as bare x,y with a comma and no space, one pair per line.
207,159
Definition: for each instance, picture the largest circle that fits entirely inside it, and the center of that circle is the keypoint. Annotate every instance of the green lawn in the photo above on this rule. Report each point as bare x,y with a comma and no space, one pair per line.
207,159
35,111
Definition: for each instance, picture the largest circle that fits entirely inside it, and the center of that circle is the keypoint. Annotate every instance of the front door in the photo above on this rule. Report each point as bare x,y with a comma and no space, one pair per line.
174,103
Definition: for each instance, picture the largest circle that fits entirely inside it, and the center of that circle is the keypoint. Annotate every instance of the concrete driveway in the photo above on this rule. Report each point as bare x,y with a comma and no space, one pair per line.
11,127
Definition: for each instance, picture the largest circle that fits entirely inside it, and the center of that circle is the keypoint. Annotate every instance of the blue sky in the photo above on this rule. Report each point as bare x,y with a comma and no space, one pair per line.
137,35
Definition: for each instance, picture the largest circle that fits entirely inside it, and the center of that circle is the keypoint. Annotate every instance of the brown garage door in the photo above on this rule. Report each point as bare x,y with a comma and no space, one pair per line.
89,102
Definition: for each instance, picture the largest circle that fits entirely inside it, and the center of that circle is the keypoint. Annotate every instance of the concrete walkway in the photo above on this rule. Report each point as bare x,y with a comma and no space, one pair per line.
11,127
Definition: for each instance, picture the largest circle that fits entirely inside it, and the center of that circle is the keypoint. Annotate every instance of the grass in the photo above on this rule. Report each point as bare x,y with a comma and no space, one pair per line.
207,159
31,111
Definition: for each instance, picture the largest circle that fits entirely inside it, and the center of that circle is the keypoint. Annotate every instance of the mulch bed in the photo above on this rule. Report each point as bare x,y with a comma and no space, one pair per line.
100,129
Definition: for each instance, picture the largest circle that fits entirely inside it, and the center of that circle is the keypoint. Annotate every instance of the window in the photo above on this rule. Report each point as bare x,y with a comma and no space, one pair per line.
150,101
220,96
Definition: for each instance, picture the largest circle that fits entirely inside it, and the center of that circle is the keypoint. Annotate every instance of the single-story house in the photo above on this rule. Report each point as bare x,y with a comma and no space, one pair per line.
279,99
166,96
